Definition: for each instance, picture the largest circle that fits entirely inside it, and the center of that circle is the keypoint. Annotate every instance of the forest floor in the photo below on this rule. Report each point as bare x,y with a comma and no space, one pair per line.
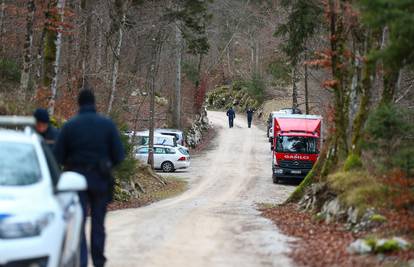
318,244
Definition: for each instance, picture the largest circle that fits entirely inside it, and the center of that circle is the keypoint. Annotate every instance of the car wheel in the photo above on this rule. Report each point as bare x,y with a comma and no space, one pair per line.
167,167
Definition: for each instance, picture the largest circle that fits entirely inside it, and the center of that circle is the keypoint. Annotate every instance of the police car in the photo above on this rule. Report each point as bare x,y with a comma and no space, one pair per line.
40,213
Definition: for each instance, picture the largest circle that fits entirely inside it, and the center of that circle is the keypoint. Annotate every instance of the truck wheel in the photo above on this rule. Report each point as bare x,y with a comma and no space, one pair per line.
276,179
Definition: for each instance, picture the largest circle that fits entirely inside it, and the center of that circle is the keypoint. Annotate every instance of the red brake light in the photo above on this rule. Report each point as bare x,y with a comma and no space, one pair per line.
182,159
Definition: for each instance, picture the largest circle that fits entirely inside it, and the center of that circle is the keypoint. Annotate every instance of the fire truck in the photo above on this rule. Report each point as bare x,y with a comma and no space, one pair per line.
296,142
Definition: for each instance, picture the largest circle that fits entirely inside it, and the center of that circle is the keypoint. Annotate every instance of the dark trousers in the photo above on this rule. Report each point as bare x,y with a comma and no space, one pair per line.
249,122
97,202
231,122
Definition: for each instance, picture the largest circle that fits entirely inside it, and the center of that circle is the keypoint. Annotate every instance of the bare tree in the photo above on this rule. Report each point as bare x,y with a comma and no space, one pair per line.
177,91
121,7
27,54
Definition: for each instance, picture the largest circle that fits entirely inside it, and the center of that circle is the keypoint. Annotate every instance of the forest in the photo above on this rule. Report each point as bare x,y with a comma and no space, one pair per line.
350,61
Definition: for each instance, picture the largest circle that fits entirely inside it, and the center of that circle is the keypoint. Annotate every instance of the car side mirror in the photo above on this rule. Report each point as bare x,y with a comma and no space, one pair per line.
70,182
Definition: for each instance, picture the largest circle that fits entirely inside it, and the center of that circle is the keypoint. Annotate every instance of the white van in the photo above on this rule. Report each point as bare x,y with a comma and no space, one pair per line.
179,135
142,139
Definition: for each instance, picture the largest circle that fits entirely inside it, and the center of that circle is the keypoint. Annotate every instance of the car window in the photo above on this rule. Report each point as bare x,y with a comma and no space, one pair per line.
52,164
183,151
19,164
159,150
169,151
143,150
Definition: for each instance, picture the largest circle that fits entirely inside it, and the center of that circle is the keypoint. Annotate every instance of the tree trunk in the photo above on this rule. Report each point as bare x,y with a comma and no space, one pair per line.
257,59
115,64
368,73
306,90
86,6
152,114
337,143
177,91
99,46
28,46
153,72
391,77
56,63
294,87
2,15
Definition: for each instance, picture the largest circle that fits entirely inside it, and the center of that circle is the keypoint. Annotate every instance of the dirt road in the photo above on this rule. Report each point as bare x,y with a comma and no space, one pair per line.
215,222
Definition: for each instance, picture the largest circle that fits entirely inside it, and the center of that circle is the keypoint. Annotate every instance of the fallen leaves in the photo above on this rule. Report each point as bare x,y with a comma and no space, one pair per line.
319,244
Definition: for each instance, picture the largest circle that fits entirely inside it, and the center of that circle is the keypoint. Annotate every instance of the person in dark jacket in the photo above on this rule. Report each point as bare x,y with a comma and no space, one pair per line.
232,115
90,144
249,112
43,127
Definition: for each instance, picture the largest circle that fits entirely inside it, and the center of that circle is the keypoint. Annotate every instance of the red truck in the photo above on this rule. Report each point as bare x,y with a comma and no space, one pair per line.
295,144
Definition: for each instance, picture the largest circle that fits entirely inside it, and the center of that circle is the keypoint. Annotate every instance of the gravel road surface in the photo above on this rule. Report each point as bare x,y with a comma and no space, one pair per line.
215,222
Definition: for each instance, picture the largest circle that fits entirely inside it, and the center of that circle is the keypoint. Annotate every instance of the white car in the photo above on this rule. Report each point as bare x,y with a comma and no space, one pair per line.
166,158
142,139
40,213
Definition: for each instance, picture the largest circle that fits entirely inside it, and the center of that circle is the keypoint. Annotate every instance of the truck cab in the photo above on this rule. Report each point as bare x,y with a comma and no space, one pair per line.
296,145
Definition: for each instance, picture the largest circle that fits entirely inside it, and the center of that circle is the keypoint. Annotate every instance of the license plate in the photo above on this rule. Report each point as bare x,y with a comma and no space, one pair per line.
295,172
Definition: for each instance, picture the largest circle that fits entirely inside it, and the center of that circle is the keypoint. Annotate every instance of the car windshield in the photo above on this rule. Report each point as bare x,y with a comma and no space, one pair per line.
297,144
18,164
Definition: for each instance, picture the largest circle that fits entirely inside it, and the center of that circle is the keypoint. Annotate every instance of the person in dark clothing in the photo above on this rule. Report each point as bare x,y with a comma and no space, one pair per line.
232,115
249,112
43,127
90,144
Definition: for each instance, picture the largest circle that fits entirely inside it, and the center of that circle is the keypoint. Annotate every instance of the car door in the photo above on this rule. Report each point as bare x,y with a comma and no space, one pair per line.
159,157
71,210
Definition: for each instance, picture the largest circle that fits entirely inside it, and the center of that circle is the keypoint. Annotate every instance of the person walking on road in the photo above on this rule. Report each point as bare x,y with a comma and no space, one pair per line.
43,127
232,115
249,112
90,144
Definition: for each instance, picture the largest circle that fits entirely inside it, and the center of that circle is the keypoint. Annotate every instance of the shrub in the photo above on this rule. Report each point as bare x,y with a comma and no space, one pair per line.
359,189
387,139
353,162
9,70
128,168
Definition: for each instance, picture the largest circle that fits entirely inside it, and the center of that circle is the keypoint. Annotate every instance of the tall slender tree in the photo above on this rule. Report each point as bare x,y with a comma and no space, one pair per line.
28,47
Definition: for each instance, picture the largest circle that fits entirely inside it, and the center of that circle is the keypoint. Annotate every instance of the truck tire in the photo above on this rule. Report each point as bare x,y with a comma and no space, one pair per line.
276,179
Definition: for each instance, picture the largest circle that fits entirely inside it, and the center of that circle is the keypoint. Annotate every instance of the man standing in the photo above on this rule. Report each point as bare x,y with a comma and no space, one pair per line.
43,127
249,112
90,144
232,115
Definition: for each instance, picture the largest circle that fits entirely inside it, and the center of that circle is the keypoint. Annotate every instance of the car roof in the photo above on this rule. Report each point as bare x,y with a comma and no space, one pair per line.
18,136
164,146
168,130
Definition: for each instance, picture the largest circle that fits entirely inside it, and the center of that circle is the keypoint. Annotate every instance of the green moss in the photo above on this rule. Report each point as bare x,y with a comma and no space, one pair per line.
371,242
358,189
319,216
388,246
378,218
353,162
